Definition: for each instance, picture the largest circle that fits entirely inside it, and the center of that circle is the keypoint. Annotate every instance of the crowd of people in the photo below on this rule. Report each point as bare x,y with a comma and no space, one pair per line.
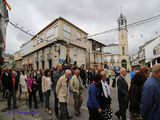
141,96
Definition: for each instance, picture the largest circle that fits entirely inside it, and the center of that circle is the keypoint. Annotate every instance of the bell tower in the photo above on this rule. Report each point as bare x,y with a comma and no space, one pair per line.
123,42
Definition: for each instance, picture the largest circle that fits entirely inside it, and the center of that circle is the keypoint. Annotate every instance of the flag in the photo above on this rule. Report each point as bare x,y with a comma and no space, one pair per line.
21,28
142,35
9,7
27,62
156,32
132,36
16,25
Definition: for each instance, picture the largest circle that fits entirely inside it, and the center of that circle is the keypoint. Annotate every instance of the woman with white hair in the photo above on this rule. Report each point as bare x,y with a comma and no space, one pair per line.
105,99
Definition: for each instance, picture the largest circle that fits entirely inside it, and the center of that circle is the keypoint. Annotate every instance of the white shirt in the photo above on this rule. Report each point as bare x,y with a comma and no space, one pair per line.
106,89
49,82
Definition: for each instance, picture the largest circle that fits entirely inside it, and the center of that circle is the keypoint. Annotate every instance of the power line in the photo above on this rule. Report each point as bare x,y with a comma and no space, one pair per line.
96,34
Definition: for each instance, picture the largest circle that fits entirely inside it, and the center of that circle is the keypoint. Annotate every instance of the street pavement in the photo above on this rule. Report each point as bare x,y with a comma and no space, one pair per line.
24,113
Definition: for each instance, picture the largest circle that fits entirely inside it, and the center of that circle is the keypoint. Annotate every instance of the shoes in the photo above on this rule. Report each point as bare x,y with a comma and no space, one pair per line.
50,112
46,109
117,115
15,107
69,117
58,117
77,114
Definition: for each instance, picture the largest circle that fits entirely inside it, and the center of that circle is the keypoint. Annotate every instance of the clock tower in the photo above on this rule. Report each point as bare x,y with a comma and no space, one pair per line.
123,42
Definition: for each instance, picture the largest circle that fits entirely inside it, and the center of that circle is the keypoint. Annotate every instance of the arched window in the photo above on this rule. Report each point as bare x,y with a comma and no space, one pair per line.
123,50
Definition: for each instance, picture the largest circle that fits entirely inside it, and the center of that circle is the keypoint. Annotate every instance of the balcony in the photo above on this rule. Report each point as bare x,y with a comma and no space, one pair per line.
112,61
49,56
106,61
42,58
36,59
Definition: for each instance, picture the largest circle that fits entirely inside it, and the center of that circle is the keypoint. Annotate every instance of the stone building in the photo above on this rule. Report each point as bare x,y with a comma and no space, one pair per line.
117,54
58,41
94,54
3,27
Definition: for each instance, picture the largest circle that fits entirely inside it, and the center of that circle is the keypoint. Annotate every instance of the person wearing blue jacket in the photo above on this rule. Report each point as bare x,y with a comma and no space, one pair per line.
132,73
93,102
150,102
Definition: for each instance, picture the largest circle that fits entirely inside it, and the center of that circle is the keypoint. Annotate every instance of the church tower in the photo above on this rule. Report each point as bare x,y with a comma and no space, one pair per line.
123,42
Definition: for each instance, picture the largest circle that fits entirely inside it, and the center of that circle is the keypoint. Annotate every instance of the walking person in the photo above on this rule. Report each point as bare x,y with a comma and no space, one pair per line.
23,84
150,105
105,99
5,77
83,75
46,88
11,88
31,83
132,73
70,90
77,88
93,102
135,91
107,75
57,74
113,77
122,94
39,86
62,94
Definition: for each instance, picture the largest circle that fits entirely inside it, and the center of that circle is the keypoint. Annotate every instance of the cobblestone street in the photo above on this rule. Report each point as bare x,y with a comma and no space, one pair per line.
41,114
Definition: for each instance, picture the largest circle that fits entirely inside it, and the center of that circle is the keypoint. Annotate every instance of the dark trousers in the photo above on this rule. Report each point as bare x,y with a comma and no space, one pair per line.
63,111
114,83
4,91
122,110
33,93
108,80
93,114
47,94
84,82
56,104
12,94
41,97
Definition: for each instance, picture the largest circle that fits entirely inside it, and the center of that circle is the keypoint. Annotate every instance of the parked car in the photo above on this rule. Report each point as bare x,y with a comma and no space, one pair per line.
117,71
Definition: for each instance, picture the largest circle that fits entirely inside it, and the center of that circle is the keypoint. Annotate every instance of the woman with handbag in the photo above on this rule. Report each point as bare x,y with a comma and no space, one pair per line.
105,99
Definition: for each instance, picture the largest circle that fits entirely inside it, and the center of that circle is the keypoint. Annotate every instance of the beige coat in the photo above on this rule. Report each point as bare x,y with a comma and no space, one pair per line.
45,84
75,84
62,89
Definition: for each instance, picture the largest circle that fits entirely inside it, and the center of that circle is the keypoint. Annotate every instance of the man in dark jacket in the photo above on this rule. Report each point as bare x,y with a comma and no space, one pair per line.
83,75
122,94
57,74
11,88
5,76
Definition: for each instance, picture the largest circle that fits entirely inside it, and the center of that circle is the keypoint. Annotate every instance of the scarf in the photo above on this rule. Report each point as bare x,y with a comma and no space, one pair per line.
106,89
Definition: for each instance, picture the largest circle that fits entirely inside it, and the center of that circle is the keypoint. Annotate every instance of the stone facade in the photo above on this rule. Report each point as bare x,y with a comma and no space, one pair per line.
3,27
95,57
49,46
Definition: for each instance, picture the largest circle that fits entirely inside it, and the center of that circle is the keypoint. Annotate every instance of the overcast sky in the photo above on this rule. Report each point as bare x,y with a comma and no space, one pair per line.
92,16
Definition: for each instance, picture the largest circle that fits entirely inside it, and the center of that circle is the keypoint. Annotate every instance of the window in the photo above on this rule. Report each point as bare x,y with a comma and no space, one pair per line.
66,31
123,50
78,35
75,51
35,42
122,36
42,37
52,32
